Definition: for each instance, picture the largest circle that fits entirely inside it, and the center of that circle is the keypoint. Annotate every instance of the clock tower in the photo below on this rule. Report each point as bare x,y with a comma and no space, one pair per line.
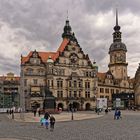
117,52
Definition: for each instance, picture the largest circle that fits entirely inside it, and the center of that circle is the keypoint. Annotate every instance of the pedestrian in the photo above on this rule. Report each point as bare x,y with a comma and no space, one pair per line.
7,111
106,111
119,114
12,112
46,123
52,122
39,112
47,115
42,120
115,114
34,112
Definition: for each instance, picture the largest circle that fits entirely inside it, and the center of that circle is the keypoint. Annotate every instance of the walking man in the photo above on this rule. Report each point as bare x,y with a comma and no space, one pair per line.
52,122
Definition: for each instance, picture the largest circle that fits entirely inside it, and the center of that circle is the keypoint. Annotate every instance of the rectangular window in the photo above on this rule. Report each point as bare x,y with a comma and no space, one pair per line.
106,90
87,94
112,91
75,84
117,91
80,84
70,95
101,90
59,94
107,97
52,83
35,81
75,94
87,84
101,96
70,84
59,84
79,93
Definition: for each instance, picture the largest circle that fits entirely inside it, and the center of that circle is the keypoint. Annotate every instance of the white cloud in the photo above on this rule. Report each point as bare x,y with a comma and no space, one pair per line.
13,43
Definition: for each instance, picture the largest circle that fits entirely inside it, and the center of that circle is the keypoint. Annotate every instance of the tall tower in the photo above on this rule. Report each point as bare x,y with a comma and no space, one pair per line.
117,52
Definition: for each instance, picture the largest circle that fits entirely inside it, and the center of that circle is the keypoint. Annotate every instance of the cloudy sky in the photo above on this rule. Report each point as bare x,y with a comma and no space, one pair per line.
26,25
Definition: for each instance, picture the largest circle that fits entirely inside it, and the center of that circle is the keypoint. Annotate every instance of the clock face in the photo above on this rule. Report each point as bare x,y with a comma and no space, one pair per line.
73,58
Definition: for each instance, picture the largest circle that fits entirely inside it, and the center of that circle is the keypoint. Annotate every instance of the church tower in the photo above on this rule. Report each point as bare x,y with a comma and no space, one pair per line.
117,52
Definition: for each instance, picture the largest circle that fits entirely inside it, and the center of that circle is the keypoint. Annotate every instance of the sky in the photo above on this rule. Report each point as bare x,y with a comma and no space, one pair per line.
26,25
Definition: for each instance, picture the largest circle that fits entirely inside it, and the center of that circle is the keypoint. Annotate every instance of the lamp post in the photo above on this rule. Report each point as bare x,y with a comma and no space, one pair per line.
72,112
128,102
3,101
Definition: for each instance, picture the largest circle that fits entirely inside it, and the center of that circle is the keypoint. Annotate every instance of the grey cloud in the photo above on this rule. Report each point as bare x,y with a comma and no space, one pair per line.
44,21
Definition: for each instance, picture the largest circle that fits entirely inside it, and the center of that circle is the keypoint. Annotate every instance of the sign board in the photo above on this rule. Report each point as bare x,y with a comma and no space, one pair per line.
118,102
35,89
101,103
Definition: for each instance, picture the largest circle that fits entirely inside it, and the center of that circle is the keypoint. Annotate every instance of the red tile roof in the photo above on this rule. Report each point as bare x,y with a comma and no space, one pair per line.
44,55
63,45
101,75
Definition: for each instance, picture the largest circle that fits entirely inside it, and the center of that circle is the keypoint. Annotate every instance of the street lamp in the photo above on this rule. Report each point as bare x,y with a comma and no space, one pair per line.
128,102
72,112
3,101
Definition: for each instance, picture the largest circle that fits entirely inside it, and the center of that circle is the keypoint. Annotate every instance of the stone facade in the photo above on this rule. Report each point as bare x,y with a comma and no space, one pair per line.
115,80
9,91
68,73
137,87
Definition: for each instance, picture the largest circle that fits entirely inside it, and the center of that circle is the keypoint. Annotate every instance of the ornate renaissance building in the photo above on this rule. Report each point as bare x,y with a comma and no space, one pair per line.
68,73
72,78
116,80
137,87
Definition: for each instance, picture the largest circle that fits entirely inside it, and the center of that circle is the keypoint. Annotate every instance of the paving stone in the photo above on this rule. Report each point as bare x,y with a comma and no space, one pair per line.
103,128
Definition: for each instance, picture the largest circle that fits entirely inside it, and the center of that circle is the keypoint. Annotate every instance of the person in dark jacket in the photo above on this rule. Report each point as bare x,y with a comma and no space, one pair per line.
119,115
52,122
47,115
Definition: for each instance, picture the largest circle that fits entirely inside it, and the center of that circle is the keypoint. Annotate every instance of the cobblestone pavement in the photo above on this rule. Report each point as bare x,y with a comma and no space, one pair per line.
64,116
103,128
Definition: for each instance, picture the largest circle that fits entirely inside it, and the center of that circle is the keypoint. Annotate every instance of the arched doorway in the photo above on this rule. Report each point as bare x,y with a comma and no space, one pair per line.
87,106
35,105
60,105
76,105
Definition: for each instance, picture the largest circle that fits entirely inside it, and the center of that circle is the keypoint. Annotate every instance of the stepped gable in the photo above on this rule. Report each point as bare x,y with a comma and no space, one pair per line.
45,55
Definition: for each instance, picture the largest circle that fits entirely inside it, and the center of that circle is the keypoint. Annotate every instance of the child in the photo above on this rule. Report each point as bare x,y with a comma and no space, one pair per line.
46,123
42,120
52,122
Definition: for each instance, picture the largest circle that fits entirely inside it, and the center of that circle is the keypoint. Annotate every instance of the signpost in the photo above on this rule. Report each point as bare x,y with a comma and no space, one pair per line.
118,102
101,103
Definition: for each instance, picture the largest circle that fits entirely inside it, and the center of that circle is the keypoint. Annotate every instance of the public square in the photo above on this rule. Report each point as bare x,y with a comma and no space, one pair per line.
103,127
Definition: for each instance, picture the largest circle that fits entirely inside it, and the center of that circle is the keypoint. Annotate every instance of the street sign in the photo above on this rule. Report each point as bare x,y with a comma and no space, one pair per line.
118,102
101,103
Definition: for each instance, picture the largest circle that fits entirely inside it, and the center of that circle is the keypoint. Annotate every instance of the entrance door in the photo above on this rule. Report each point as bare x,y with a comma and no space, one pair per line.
87,106
60,105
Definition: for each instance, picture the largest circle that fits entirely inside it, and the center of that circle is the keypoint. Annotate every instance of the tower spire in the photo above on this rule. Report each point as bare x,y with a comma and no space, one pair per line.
67,15
67,29
117,27
116,17
117,33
